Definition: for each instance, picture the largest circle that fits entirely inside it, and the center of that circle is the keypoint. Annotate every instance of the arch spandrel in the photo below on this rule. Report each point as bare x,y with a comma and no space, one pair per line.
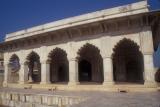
126,40
32,53
13,57
86,45
57,49
9,56
25,54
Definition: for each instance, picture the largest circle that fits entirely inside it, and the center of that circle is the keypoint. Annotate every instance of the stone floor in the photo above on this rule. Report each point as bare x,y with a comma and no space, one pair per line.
151,99
103,99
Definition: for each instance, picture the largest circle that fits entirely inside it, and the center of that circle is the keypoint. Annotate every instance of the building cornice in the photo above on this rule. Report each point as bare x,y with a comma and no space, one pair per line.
121,11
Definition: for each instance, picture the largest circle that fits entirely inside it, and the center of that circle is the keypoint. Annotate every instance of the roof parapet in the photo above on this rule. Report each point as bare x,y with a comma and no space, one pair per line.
126,10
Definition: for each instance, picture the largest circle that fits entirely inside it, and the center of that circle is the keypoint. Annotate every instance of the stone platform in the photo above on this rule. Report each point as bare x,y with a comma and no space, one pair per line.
43,98
89,87
37,98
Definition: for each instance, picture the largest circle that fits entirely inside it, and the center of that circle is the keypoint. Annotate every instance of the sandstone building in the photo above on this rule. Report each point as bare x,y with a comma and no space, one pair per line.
103,50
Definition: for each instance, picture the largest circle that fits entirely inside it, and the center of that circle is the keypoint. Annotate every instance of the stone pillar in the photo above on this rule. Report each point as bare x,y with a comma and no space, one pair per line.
7,74
23,74
148,50
45,72
149,72
108,71
73,72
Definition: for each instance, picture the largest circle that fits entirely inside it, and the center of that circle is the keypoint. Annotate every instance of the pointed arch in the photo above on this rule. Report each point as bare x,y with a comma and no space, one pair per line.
61,51
87,46
34,66
125,42
59,66
14,63
31,54
14,56
157,75
90,64
128,65
14,67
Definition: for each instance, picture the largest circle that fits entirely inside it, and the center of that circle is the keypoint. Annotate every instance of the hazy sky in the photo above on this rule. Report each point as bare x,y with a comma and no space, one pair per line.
21,14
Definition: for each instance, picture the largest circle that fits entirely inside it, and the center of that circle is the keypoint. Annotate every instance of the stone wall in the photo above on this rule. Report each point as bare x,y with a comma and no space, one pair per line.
30,100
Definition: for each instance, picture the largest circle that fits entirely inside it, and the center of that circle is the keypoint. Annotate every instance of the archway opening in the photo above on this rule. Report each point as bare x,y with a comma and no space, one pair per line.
14,67
85,69
128,65
34,66
59,66
157,75
90,65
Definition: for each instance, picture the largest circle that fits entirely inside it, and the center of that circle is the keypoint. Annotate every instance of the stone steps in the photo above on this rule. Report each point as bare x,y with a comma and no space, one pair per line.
13,99
88,87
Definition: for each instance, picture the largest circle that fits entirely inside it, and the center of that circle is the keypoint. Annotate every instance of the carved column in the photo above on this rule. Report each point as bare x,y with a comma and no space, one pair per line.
149,72
45,72
108,71
147,50
106,53
73,72
30,80
23,74
7,73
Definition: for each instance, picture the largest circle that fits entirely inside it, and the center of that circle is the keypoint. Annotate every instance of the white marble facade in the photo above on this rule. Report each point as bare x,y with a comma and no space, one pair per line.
103,30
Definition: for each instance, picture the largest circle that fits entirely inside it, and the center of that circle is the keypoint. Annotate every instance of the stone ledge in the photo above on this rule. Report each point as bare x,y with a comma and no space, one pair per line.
79,87
16,100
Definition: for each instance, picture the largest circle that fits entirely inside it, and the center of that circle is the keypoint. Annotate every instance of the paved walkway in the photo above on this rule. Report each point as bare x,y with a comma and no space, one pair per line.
104,99
151,99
